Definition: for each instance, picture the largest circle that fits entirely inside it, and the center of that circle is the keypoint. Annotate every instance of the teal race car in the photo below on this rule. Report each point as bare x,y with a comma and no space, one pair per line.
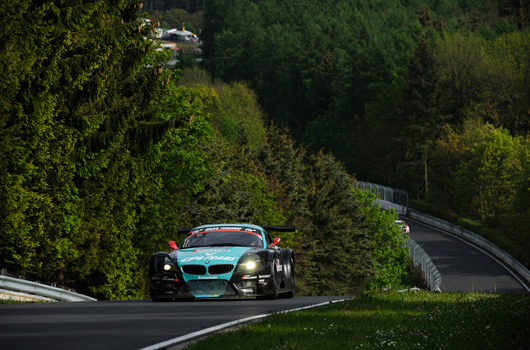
227,260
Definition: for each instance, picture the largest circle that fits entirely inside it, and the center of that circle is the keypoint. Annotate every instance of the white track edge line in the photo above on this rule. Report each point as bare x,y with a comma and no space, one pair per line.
207,331
478,248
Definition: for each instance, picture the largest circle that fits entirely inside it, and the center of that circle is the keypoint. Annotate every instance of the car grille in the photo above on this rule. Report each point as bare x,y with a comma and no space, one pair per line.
220,269
194,269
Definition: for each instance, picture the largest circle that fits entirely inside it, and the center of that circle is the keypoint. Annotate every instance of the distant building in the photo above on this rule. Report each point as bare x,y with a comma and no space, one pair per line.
180,35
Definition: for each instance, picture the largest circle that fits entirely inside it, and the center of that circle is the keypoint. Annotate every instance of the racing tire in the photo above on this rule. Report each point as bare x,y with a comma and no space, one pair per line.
290,294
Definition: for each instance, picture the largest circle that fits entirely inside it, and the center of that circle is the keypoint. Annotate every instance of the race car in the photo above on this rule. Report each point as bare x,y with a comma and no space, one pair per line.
403,226
226,260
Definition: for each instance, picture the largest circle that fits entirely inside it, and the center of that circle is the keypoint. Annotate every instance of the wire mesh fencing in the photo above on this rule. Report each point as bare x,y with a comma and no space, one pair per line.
385,193
432,277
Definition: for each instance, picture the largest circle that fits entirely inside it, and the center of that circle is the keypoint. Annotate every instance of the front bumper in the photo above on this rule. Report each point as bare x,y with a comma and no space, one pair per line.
241,284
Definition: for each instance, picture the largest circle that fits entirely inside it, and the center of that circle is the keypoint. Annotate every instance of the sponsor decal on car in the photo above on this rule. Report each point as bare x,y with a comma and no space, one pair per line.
207,277
224,228
206,251
248,277
208,258
279,266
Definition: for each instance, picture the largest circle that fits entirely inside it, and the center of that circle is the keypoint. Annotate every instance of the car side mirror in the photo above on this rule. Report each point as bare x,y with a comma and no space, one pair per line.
274,242
173,245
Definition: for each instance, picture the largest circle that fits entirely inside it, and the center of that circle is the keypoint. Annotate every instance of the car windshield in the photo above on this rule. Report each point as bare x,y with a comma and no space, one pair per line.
220,237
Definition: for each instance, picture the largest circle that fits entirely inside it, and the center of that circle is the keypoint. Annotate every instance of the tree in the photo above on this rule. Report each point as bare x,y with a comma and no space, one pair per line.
314,65
78,134
421,117
389,243
336,246
486,184
516,224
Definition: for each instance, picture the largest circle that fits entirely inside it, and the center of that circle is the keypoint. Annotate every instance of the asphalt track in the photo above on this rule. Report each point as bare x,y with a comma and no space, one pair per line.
124,325
138,324
462,266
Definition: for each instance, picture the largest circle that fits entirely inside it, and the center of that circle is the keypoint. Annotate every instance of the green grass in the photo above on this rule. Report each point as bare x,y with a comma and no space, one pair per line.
392,320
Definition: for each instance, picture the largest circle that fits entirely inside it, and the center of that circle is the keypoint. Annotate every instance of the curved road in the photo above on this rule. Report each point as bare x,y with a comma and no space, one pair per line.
463,267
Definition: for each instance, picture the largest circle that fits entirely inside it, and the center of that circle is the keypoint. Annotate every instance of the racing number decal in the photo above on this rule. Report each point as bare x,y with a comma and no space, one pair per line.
279,267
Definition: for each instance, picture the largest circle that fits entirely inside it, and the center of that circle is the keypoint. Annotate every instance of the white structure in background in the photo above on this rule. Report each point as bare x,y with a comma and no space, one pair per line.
181,35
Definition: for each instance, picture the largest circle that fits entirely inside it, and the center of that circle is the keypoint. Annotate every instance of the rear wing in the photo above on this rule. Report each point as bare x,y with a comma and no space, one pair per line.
184,230
280,228
275,228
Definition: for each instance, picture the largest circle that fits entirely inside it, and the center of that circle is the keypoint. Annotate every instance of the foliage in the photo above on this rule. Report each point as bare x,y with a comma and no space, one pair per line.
301,60
238,116
104,153
422,115
182,167
178,18
517,223
191,6
336,246
486,184
488,168
379,83
482,171
265,179
78,121
389,243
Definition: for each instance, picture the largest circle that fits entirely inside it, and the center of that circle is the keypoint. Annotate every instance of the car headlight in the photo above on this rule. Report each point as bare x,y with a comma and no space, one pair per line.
169,265
249,263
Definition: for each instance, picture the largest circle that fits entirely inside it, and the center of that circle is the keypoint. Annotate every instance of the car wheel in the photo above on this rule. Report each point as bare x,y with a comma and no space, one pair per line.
290,294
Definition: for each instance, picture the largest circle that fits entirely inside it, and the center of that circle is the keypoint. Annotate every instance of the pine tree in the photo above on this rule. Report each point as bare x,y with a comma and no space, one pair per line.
335,249
421,117
78,120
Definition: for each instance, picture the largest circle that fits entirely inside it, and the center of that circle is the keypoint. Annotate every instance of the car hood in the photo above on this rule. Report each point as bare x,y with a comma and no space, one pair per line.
210,255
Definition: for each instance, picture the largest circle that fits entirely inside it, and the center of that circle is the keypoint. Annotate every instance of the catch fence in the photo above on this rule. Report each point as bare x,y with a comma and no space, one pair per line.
432,277
385,193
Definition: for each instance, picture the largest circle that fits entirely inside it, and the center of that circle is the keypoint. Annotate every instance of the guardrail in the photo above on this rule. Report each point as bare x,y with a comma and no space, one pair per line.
472,238
420,259
39,289
393,198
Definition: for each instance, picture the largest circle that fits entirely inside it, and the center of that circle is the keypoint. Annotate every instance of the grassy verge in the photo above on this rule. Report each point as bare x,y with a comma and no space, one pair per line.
392,320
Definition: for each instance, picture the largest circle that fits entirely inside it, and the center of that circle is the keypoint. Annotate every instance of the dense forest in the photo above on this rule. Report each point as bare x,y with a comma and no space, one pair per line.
104,152
432,97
